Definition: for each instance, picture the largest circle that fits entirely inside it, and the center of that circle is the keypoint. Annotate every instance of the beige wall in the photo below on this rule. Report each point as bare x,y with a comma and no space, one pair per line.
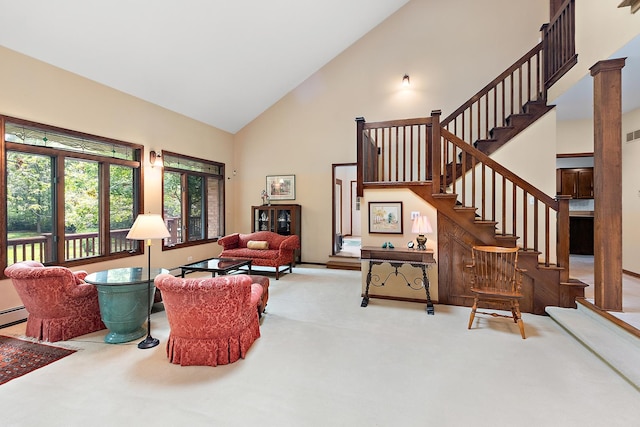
630,194
314,126
575,136
601,29
39,92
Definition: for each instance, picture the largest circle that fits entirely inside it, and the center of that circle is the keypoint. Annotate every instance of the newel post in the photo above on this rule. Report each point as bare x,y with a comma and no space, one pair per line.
562,224
360,155
436,144
607,188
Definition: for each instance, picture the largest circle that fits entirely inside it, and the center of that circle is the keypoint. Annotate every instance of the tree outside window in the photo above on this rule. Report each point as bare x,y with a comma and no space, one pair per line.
71,197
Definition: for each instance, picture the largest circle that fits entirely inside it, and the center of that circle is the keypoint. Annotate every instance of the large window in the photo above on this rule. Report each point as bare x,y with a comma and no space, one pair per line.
193,199
70,197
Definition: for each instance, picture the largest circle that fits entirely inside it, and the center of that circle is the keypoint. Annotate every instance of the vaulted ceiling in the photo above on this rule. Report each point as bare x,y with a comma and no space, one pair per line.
219,62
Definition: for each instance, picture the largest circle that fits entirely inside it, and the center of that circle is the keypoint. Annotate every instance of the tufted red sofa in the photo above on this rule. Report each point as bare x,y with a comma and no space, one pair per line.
280,252
60,304
213,320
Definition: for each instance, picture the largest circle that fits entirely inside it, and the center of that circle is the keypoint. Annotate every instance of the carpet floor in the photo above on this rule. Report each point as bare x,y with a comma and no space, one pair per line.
323,360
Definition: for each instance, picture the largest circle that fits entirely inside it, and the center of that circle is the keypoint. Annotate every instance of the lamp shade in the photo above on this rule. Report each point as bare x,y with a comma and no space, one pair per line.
421,225
148,226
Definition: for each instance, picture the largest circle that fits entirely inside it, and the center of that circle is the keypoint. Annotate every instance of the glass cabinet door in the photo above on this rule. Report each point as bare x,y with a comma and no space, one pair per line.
264,220
284,221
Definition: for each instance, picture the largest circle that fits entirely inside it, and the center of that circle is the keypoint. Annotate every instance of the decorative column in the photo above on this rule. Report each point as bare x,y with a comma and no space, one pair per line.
607,174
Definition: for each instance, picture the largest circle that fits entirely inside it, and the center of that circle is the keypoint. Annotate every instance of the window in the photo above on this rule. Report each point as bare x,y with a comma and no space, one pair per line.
71,197
193,199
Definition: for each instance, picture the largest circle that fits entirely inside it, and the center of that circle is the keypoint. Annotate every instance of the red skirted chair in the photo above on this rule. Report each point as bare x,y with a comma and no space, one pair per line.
60,304
213,320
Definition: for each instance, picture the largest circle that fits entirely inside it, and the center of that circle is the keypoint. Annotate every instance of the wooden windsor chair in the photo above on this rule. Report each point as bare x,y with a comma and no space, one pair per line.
497,280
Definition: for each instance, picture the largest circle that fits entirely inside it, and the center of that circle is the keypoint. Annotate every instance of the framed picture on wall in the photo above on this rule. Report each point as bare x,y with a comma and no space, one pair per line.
385,217
281,187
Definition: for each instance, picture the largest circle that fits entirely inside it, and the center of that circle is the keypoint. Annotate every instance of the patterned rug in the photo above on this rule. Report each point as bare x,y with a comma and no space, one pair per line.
18,357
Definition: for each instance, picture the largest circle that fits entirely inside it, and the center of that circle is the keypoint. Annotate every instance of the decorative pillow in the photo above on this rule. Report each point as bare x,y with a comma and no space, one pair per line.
257,244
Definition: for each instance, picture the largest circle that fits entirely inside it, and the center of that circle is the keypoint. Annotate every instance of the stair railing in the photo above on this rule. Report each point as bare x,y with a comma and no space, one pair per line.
527,80
394,151
559,43
519,208
505,95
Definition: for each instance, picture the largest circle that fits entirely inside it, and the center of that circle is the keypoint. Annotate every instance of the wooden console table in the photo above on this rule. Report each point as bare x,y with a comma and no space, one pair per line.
397,257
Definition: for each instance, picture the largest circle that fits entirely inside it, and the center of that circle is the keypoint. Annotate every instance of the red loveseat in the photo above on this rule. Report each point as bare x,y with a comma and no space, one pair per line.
267,249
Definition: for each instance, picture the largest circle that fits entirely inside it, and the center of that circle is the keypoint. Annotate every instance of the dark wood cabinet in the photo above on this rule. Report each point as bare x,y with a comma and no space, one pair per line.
576,182
281,219
581,235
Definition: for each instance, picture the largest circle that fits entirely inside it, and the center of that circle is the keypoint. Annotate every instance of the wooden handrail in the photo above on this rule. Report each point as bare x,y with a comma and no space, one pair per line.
558,44
503,96
510,209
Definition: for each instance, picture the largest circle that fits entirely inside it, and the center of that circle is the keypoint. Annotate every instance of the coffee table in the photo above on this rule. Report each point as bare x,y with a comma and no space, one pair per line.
220,266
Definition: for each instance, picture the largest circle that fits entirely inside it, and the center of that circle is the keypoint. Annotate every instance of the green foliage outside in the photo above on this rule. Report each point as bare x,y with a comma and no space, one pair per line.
30,194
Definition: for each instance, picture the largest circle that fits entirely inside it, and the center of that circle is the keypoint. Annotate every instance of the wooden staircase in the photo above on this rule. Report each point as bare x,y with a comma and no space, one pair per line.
479,202
515,123
459,228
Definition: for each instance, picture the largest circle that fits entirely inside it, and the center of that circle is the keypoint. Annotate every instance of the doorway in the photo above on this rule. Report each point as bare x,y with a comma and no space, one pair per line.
346,223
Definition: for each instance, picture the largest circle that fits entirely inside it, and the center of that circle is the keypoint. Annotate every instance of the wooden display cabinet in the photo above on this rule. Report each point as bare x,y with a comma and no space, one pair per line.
281,219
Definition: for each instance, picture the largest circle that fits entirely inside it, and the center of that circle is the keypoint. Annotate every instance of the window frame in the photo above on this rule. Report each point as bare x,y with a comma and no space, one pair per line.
59,156
221,204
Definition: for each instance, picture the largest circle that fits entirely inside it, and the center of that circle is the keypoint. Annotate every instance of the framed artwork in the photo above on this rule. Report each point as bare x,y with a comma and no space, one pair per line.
385,217
281,187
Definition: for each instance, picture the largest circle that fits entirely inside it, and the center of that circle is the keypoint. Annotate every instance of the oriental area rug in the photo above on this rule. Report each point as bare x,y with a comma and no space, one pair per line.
18,357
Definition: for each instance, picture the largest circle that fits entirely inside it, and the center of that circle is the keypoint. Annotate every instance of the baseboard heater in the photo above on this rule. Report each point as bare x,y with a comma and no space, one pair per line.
12,316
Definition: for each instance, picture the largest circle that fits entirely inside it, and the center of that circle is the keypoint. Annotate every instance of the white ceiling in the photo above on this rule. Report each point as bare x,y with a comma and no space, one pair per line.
222,62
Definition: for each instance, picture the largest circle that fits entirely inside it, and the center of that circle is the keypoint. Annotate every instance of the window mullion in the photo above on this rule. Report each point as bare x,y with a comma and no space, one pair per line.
184,178
59,232
104,210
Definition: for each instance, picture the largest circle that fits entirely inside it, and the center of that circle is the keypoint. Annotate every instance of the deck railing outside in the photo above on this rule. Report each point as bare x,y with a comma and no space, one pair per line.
77,245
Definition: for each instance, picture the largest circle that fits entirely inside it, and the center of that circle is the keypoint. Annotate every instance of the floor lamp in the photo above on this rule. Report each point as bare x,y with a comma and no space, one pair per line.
147,227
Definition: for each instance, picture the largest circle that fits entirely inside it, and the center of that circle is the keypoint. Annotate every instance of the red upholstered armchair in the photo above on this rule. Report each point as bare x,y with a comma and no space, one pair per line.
213,320
60,304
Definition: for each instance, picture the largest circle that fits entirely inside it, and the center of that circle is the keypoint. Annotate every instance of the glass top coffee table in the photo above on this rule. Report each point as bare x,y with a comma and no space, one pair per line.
220,266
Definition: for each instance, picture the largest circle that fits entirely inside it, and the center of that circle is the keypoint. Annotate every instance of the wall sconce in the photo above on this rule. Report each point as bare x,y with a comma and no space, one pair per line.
421,225
405,81
155,159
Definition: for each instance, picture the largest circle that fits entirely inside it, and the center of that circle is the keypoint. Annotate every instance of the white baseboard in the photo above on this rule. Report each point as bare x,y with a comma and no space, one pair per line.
12,315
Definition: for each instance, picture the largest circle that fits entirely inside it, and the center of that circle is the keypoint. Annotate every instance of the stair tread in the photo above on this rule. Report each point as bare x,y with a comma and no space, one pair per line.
614,345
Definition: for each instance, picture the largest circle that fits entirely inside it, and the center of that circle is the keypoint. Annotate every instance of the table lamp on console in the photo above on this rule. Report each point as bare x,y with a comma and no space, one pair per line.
147,227
421,225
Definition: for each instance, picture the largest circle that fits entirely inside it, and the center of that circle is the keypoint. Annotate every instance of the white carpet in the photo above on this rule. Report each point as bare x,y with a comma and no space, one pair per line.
323,360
